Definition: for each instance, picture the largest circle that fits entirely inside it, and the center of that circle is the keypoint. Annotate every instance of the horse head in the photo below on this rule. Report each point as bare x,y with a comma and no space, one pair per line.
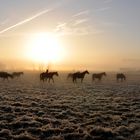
123,76
104,73
22,73
11,76
56,73
86,72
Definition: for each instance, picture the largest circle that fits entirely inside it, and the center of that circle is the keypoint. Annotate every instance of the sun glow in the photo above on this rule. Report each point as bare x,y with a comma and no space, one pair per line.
44,48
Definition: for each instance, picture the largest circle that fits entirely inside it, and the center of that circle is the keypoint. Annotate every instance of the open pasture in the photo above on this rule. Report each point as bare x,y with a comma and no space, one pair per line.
107,110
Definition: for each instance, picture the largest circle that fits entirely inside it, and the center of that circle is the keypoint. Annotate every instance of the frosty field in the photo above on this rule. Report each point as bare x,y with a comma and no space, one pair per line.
32,110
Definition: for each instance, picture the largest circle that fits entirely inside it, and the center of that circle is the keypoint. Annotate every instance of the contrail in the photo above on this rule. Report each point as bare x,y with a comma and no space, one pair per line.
25,21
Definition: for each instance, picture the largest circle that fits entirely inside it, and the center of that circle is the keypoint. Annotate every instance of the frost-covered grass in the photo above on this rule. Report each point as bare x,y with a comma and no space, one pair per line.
31,110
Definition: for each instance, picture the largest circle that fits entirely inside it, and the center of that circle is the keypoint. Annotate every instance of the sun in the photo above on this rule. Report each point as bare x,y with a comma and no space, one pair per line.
44,48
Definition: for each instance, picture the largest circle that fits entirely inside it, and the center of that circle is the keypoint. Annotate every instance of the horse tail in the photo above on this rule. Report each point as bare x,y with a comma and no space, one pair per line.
41,77
73,79
11,76
93,77
124,77
117,77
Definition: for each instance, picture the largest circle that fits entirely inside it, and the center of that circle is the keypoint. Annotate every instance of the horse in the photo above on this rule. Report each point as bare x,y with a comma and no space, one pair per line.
120,76
5,75
98,76
79,75
17,74
70,75
48,75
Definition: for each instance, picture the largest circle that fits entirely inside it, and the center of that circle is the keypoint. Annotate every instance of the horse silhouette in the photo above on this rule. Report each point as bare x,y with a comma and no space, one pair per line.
5,75
120,76
79,75
98,76
48,75
17,74
70,75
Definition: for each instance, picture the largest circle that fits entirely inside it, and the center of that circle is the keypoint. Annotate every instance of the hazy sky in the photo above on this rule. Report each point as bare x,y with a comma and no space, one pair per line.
96,34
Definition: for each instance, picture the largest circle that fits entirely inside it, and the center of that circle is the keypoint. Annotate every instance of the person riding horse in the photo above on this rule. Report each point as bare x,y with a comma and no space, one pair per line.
48,75
47,70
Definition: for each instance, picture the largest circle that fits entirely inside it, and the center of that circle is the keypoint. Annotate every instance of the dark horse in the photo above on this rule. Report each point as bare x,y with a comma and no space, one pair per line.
79,75
120,76
98,76
5,75
70,75
17,74
48,75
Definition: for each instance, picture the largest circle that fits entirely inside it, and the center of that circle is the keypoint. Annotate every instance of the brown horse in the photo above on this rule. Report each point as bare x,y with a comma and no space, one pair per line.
70,75
17,74
120,76
5,75
48,75
98,76
79,75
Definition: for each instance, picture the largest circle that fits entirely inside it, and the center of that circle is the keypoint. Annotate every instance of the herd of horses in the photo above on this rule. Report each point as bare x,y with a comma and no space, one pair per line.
6,75
44,76
48,76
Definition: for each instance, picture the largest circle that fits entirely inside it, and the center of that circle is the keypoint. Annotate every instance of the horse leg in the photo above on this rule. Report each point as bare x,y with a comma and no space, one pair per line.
41,79
82,80
93,79
73,79
52,79
49,80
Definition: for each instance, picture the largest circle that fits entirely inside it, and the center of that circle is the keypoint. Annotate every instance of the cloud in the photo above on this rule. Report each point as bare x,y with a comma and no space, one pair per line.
68,29
74,26
85,12
25,21
103,9
77,25
80,21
